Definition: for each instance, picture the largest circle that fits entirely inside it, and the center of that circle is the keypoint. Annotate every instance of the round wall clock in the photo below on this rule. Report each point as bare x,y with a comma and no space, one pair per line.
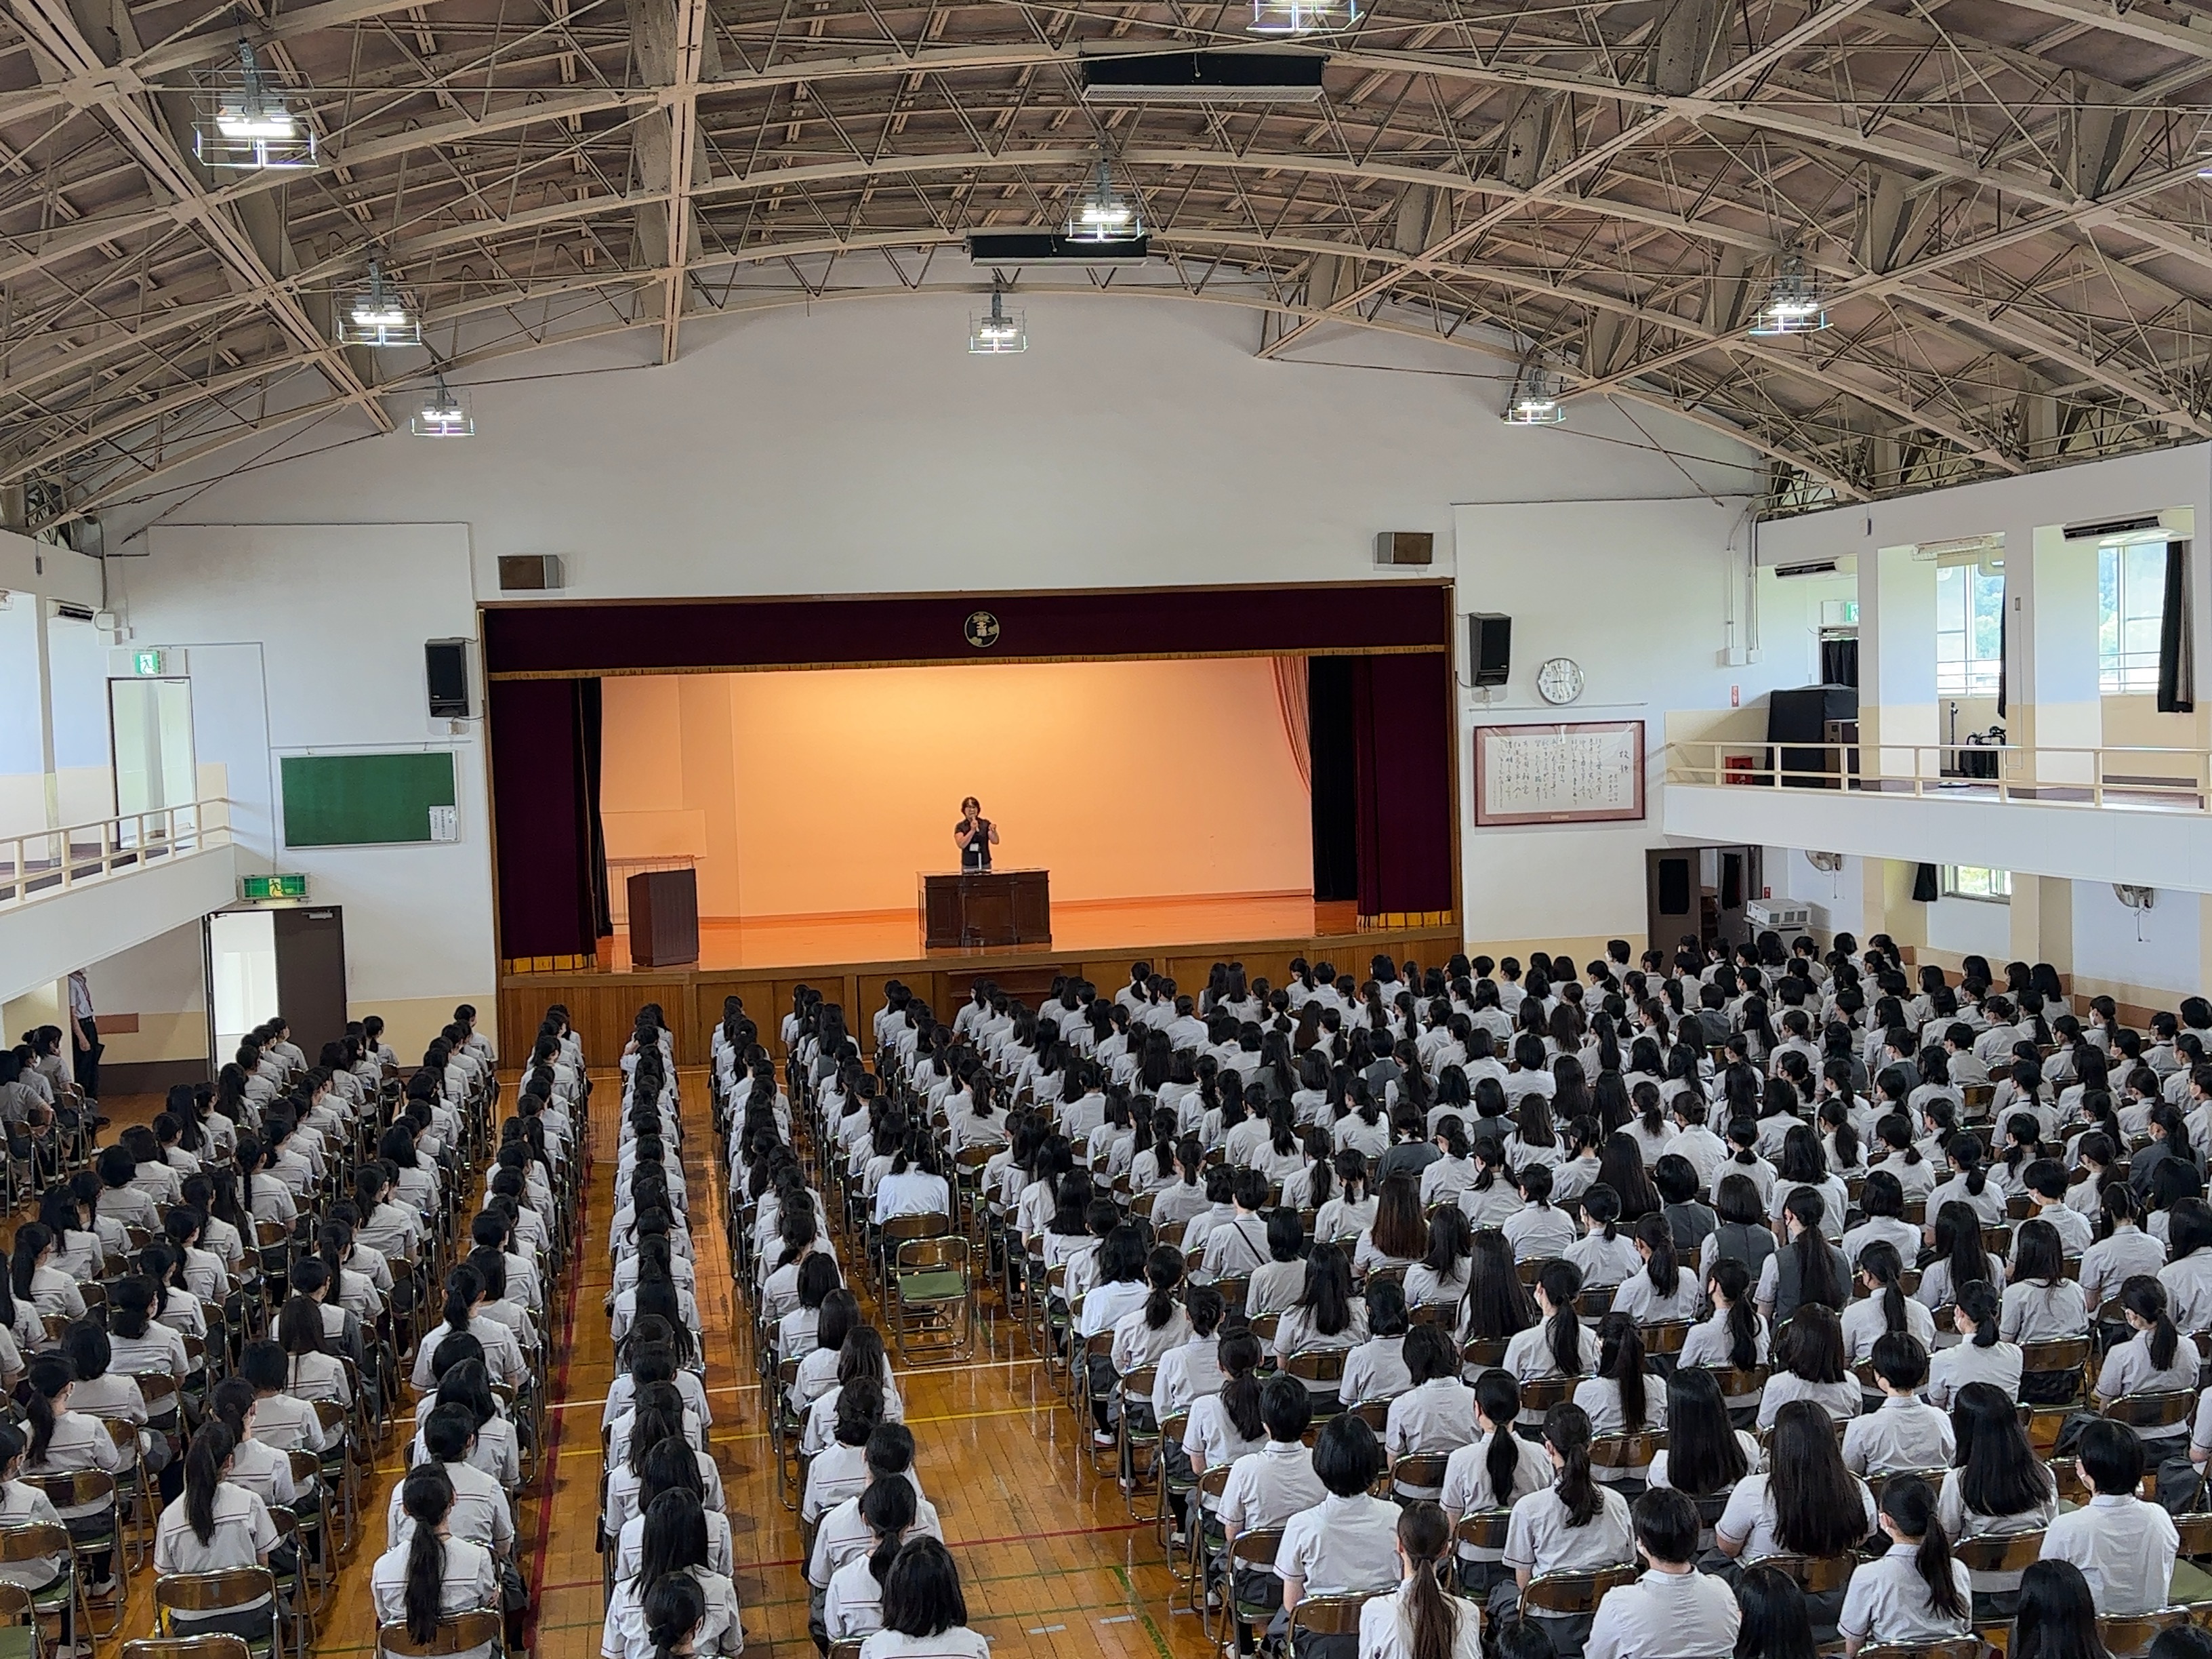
1559,680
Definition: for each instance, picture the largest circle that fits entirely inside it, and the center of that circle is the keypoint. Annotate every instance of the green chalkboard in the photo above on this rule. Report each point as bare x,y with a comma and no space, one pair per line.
352,800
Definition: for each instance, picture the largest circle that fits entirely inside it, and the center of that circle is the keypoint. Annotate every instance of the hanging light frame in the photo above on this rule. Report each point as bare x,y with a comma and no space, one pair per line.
376,314
1793,304
243,121
443,415
1103,213
998,332
1301,17
1536,399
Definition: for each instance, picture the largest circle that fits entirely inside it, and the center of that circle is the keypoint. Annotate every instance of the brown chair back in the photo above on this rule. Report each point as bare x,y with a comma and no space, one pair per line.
2126,1637
212,1592
1666,1337
1327,1615
1955,1647
1562,1594
1316,1365
33,1540
1625,1451
1816,1575
1424,1469
1543,1393
1484,1529
457,1632
2007,1552
2152,1411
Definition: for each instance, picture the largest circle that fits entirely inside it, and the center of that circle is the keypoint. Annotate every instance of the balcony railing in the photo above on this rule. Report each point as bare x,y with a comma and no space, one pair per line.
2144,779
45,861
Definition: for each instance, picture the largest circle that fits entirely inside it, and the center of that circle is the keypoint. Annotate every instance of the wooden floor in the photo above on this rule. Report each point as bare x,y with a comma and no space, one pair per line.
1052,1560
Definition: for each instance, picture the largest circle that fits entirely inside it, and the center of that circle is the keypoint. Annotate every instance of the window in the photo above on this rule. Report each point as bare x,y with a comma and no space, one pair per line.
2130,610
1969,630
1975,881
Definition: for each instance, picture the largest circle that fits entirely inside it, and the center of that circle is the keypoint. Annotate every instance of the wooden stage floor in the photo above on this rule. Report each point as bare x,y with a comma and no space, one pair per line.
1144,926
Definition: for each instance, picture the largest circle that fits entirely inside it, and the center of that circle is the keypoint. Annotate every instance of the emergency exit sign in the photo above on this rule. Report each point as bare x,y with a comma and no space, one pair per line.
146,663
272,887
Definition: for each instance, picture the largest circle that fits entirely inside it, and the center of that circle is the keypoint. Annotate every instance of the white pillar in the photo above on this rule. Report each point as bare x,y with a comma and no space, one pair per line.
2050,598
1897,661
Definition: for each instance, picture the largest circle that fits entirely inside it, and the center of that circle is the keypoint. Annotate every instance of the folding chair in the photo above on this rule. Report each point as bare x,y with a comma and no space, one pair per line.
1326,1615
1565,1594
234,1590
1253,1551
89,1489
457,1632
44,1540
933,1295
2128,1637
216,1646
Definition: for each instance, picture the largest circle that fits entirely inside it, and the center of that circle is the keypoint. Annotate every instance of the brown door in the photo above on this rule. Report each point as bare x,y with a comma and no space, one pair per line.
311,976
1671,889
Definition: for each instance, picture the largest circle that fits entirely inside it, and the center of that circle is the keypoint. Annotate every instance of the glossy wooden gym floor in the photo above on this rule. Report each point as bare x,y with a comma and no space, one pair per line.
1052,1558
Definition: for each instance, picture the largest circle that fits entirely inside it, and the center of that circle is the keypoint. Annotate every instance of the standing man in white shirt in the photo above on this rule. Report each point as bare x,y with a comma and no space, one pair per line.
84,1032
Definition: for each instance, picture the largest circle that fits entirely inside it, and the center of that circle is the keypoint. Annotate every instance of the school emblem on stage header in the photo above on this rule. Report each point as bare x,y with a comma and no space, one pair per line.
982,628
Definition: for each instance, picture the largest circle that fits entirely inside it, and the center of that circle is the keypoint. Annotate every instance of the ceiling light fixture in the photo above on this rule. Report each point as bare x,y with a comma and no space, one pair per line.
443,415
245,123
1104,215
376,315
996,333
1536,399
1303,16
1793,303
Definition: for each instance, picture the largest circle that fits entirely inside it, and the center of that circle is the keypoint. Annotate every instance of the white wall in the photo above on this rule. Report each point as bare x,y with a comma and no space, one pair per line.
1639,593
1968,927
1837,897
2107,948
862,450
310,638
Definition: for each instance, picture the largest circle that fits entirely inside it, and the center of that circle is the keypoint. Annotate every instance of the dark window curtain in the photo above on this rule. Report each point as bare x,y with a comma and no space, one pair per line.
2004,643
1927,884
2177,638
545,901
591,834
1401,726
1839,662
1335,785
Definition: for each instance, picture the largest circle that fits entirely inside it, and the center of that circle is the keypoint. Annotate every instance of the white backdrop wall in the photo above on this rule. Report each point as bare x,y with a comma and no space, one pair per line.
862,450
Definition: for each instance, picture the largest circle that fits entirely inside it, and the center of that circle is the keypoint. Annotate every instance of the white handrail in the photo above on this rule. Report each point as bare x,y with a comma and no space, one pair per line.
2049,775
41,862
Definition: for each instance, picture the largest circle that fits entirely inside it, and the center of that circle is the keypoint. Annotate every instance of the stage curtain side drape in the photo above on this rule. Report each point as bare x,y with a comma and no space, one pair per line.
1290,698
552,862
1401,726
2177,638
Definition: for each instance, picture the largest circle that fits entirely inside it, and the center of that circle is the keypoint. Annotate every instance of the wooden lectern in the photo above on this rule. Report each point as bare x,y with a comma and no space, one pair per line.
664,918
986,908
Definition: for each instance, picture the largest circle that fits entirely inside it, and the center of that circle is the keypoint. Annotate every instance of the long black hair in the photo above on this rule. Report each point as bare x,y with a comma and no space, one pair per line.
1704,1456
426,1495
1910,1503
1620,1357
1817,1277
1567,1432
1999,1473
1733,1280
210,1450
2144,1297
1497,1396
1561,1282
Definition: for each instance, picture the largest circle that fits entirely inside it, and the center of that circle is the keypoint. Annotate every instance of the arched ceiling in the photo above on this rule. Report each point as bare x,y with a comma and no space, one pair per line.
1999,199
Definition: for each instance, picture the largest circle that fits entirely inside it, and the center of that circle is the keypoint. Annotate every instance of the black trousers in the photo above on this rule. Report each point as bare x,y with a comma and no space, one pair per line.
87,1059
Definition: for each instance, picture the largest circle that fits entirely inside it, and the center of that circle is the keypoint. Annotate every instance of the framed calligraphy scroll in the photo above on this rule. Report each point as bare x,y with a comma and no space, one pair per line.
1584,772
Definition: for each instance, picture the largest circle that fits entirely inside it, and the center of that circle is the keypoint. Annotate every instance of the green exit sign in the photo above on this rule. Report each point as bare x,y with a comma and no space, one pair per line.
150,663
272,887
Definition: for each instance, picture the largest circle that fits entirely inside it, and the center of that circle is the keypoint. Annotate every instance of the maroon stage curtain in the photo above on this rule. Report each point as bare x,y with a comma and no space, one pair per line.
544,740
1403,736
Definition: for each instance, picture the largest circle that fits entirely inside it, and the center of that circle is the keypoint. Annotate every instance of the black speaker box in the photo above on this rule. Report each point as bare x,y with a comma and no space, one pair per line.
445,670
1490,647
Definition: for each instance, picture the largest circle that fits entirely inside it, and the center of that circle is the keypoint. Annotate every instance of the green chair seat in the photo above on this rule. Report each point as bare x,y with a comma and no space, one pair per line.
946,1286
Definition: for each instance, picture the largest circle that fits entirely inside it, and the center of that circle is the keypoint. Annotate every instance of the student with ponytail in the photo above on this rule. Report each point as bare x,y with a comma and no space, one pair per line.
1971,1182
1808,1271
1559,1343
1982,1356
2155,1359
1420,1620
1621,1398
853,1607
925,1616
1573,1525
674,1546
215,1526
1734,1336
1885,1307
2122,1249
1665,1290
63,1441
463,1311
1916,1593
1819,1509
1673,1608
674,1614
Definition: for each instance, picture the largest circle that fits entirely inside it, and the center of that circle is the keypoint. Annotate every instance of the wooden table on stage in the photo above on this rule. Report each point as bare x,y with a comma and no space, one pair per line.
986,908
664,918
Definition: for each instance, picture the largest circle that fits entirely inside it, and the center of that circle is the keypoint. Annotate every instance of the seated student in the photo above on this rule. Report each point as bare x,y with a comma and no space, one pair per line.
285,1421
2156,1359
1574,1525
1885,1308
925,1616
120,1196
844,1532
1807,1270
1821,1510
1192,1368
1882,1200
1420,1620
1999,1487
22,1504
2188,1276
852,1602
1492,1198
254,1464
1494,1471
2048,1190
1439,1278
1267,1487
1622,1397
479,1512
1673,1609
1347,1544
672,1466
1687,1216
1559,1343
63,1440
1536,1230
2124,1546
1377,1368
1663,1291
1915,1592
1225,1424
1809,1355
1275,1283
1398,1237
1605,1256
2041,1303
111,1395
36,1280
214,1526
1903,1432
1705,1454
1436,1412
1327,1318
431,1574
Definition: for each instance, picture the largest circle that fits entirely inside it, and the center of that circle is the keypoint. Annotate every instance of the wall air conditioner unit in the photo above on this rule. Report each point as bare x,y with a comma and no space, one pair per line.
1788,572
1961,549
2097,531
1779,917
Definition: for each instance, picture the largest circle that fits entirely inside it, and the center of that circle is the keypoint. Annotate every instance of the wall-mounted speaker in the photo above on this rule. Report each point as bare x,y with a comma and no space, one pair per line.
446,674
531,573
1405,547
1490,647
